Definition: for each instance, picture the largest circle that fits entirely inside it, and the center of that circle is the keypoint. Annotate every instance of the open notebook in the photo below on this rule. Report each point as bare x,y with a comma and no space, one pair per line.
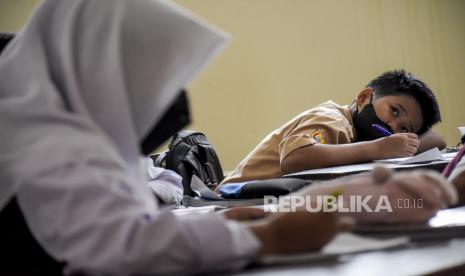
446,224
342,244
425,157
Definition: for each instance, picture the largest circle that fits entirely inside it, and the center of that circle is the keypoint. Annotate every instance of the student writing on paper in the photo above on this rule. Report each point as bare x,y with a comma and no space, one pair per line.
82,86
331,134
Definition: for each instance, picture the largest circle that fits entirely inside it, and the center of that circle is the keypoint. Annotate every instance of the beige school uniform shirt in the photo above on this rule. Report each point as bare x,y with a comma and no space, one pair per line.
328,123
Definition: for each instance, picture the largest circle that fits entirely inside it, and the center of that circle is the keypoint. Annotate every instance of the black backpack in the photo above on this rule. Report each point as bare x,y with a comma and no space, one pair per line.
189,153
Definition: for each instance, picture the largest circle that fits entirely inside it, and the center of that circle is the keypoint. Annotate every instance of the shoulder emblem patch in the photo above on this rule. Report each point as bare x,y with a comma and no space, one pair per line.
319,137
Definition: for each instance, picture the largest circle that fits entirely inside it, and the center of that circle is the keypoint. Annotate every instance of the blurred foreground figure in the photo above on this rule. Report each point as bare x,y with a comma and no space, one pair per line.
82,87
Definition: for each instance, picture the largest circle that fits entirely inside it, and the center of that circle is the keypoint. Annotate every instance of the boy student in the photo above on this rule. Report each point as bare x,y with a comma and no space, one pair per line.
401,106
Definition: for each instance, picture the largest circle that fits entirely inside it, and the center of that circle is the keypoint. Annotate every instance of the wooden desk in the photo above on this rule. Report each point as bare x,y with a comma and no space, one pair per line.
434,257
337,171
438,258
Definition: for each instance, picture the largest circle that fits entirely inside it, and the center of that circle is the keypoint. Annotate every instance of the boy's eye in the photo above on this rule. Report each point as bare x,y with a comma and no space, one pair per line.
395,111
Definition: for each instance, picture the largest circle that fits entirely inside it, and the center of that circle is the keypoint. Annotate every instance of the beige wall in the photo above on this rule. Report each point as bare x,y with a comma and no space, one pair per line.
289,55
14,13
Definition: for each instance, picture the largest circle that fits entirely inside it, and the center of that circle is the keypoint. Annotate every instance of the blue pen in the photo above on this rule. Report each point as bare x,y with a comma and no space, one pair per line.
381,130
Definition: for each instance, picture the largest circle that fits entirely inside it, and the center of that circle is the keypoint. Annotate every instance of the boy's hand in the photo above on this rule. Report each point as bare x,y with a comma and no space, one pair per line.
398,145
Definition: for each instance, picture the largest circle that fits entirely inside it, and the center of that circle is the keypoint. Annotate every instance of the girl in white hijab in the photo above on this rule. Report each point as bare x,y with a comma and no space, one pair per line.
81,86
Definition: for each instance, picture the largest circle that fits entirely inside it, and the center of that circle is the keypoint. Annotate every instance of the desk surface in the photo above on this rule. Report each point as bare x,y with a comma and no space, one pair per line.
417,259
337,171
434,257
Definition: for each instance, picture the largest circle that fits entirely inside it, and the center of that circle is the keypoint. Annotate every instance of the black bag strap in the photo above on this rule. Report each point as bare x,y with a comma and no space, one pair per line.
185,136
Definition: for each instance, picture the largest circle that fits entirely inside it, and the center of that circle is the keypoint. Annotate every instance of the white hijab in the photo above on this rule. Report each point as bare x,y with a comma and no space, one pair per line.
91,77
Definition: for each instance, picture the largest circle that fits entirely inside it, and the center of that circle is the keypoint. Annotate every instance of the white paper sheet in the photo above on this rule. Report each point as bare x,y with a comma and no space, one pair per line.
425,157
181,211
343,243
357,168
346,243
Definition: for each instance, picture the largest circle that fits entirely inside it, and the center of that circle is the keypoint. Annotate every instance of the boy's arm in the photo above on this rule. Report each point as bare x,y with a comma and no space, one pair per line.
429,140
325,155
322,155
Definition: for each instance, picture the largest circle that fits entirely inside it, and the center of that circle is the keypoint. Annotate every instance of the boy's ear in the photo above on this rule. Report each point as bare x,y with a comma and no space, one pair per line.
364,97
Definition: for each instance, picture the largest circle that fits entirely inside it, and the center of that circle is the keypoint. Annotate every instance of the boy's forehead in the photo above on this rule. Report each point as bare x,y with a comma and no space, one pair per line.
409,106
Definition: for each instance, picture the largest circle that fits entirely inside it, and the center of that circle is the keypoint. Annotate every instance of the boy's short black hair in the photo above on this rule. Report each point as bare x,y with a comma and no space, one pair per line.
5,38
400,82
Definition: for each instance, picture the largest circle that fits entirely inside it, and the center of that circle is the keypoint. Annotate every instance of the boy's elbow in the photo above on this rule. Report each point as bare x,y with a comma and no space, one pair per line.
442,144
436,143
297,161
287,166
431,140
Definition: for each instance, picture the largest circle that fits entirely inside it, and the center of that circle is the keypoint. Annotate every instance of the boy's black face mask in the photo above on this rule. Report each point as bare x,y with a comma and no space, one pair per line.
363,123
175,118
